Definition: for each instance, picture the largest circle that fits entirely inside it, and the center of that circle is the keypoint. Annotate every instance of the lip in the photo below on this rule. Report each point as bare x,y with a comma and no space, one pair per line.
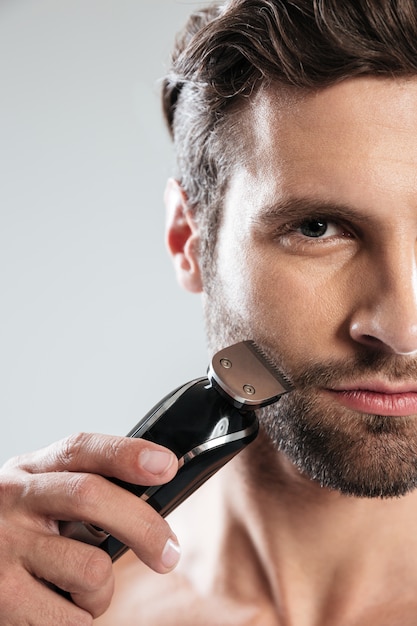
378,397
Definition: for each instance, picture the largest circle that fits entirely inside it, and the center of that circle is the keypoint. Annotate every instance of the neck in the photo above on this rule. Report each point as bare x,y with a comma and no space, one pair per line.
322,557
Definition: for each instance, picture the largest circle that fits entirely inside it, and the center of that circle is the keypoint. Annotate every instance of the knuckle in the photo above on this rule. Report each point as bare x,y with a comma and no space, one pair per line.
97,571
83,490
71,448
118,447
13,463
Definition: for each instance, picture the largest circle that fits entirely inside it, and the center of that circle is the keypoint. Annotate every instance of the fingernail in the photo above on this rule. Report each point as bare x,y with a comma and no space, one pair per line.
170,554
155,461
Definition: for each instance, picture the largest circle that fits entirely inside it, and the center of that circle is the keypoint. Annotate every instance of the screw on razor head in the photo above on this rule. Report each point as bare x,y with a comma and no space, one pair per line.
249,390
226,363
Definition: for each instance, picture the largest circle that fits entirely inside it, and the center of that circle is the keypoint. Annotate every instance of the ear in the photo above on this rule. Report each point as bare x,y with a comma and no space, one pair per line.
182,237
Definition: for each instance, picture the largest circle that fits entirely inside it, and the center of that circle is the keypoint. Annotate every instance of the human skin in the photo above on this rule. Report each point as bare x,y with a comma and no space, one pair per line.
65,482
280,548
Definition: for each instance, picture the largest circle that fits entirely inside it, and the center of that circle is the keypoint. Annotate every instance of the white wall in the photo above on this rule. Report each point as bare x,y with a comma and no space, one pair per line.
93,327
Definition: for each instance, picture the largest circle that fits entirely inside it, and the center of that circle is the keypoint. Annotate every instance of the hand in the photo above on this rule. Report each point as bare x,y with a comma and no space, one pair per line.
65,482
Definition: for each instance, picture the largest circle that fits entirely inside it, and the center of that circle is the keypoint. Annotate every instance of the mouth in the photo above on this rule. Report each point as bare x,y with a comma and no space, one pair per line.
377,398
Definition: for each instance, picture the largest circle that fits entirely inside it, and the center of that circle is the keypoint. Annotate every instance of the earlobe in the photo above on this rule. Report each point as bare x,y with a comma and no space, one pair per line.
182,237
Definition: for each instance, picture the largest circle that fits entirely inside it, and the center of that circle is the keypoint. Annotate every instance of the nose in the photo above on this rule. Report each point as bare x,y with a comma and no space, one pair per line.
386,319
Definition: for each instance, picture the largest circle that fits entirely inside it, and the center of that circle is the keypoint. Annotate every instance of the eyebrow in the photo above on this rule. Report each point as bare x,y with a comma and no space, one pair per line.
298,208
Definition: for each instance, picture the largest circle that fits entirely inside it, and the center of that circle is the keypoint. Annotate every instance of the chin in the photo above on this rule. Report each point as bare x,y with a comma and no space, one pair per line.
360,455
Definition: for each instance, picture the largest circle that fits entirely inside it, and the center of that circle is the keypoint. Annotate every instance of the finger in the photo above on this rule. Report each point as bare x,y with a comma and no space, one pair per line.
26,601
129,459
81,570
95,500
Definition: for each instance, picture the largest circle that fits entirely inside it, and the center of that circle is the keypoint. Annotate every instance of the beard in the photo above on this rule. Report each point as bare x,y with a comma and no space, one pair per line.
357,454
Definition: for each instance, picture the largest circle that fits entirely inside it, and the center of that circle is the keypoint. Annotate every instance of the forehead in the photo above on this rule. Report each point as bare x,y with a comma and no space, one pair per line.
348,142
348,109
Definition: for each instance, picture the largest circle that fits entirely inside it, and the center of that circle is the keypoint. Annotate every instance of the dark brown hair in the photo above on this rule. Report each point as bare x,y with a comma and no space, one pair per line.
226,51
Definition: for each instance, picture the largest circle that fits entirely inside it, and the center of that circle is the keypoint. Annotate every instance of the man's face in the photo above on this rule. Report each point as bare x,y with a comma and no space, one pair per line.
316,261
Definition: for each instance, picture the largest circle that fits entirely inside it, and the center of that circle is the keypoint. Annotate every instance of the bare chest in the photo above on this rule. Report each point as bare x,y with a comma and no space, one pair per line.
155,600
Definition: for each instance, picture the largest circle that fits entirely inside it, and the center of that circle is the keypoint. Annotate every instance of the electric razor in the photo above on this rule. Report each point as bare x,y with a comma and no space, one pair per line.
205,422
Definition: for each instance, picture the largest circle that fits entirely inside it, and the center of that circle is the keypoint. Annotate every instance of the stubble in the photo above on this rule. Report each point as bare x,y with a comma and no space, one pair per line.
358,454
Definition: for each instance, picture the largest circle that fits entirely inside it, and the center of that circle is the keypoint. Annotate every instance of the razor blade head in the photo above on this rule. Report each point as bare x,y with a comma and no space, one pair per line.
247,377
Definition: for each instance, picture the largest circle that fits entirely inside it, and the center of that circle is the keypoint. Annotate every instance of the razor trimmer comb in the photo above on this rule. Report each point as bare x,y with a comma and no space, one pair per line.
205,422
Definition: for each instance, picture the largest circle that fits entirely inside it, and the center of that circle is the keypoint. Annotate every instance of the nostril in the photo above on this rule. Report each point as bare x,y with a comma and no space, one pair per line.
370,338
387,346
373,342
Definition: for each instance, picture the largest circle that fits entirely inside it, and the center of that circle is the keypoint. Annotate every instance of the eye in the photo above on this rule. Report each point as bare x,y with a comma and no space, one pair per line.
315,228
313,235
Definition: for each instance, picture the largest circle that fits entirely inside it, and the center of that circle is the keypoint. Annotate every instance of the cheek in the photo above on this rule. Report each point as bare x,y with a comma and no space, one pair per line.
288,305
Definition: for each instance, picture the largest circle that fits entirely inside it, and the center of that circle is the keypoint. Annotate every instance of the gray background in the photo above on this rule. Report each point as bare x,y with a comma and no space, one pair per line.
94,329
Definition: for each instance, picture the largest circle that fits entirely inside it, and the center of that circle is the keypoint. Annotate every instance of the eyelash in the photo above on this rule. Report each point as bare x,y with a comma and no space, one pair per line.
291,230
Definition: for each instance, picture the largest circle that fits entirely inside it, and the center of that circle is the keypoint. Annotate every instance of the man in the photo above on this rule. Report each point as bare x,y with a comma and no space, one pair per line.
294,213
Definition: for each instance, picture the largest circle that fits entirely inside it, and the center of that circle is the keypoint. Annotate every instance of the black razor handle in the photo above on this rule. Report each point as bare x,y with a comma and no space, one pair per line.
203,428
205,422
